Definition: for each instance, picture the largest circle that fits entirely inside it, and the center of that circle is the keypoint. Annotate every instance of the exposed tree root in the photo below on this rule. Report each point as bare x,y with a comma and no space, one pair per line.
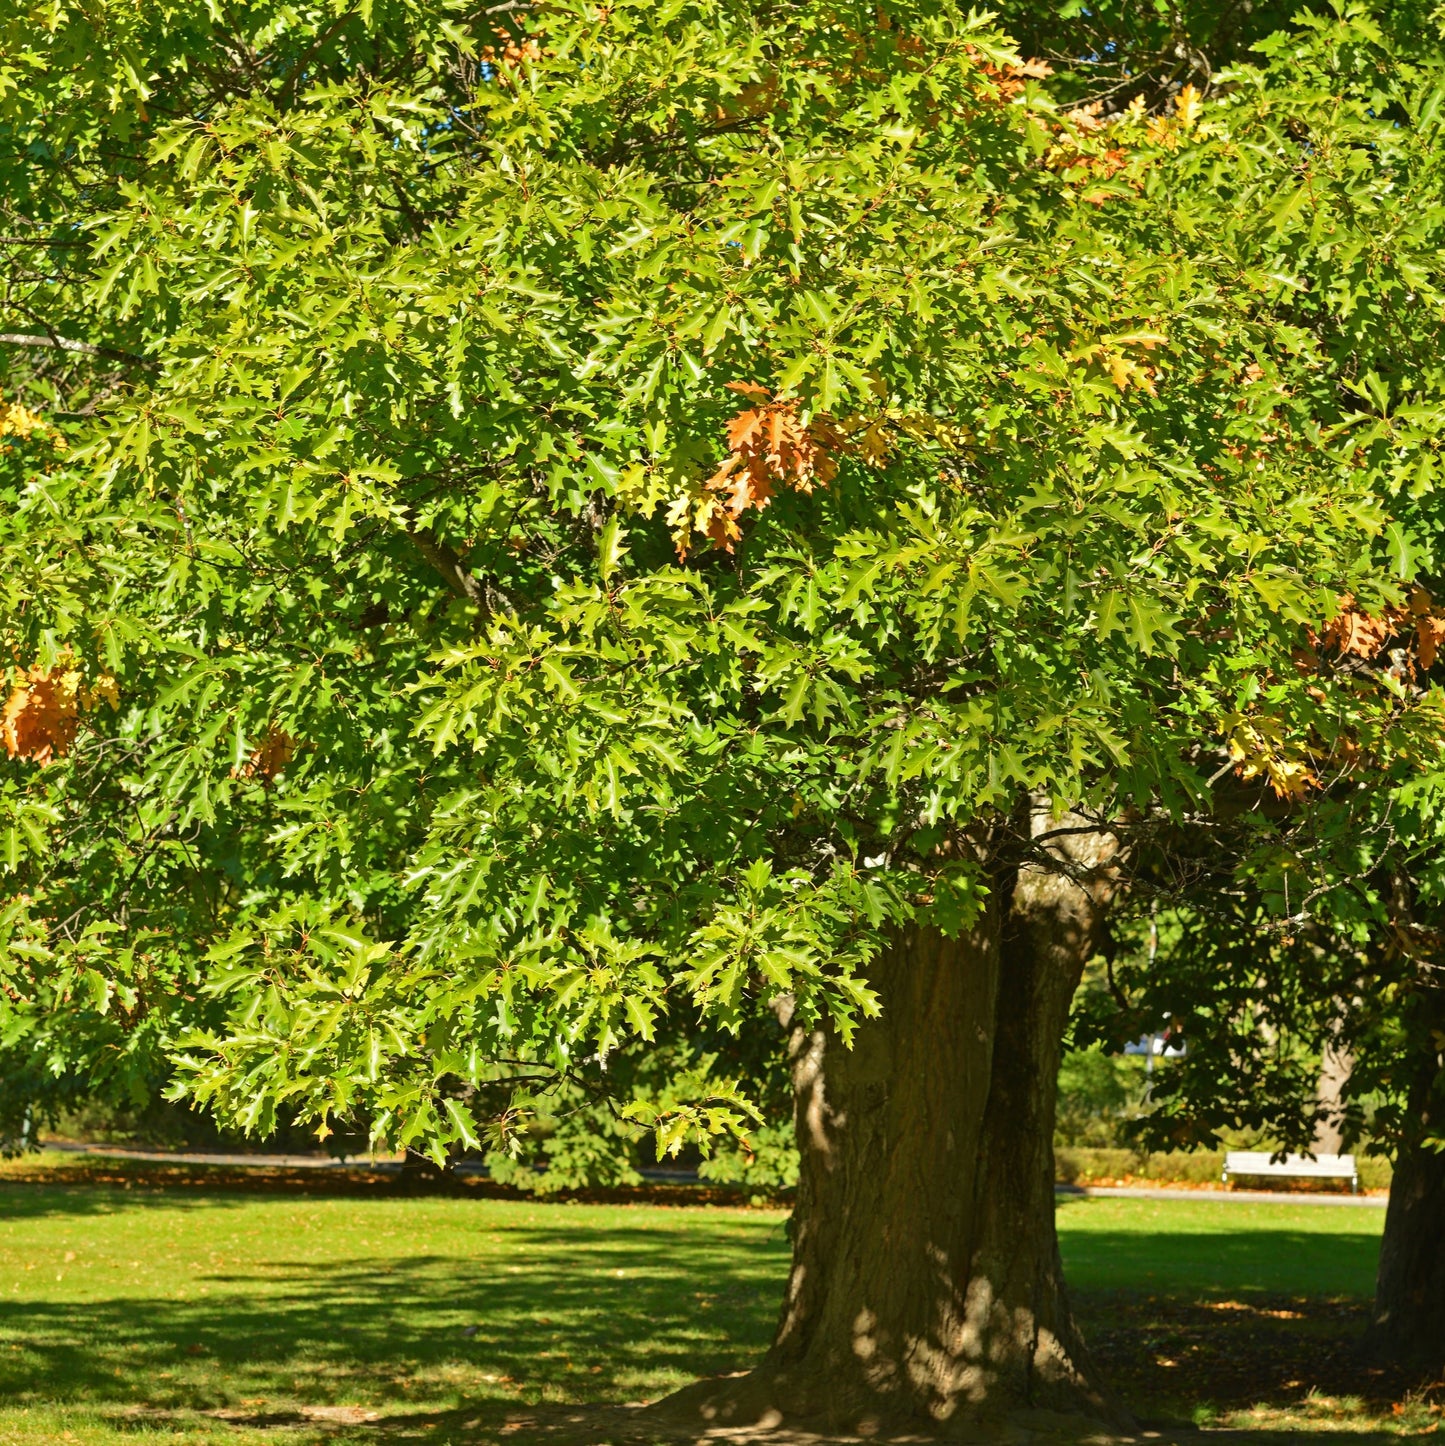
770,1404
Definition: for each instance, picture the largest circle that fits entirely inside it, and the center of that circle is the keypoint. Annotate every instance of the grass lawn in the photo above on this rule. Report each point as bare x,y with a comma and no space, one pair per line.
196,1317
1202,1248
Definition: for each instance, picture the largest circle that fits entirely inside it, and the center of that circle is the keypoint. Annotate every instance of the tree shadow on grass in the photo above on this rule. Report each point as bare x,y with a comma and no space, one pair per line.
506,1345
492,1425
1205,1325
591,1314
1182,1360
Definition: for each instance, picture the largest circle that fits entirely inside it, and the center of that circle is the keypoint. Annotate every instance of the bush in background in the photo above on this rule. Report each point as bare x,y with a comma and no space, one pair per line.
1099,1094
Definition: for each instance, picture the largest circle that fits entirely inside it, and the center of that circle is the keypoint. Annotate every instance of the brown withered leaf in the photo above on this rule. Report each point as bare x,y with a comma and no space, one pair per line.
1354,633
274,753
1086,117
1429,625
1429,634
1008,80
516,51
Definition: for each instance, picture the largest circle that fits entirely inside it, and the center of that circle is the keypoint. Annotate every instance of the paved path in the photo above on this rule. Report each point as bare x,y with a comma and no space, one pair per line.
170,1157
259,1160
680,1177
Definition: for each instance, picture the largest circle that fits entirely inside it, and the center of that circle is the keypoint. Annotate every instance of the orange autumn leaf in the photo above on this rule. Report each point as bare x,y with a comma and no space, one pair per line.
743,482
42,714
769,446
742,429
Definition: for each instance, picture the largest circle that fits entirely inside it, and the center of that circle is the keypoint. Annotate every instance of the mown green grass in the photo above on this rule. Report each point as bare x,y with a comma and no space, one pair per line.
1194,1247
129,1315
190,1302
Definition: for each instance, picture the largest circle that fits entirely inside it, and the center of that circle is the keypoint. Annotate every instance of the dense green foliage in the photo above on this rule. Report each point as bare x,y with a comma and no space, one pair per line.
562,523
1259,997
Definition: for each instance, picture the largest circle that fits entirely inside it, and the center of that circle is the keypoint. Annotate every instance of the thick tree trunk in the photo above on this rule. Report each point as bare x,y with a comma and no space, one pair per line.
926,1284
1409,1324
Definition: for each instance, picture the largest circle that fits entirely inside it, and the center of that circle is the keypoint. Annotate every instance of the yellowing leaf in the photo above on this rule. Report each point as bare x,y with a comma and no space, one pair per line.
1188,106
17,420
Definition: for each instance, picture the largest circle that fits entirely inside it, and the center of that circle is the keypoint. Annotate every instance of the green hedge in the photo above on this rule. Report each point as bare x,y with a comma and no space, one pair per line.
1083,1164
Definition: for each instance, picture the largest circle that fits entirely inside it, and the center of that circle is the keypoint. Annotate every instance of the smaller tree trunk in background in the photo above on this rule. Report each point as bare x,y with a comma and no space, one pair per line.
1336,1066
1409,1324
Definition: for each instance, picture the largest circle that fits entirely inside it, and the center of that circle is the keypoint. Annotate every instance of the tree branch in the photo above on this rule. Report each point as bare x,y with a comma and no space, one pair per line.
288,90
448,562
64,343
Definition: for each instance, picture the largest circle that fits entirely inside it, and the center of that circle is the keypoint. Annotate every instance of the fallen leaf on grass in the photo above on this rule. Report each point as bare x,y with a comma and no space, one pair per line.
346,1415
1253,1309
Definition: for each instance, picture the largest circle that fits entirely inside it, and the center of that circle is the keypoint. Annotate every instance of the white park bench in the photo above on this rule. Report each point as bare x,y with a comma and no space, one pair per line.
1322,1167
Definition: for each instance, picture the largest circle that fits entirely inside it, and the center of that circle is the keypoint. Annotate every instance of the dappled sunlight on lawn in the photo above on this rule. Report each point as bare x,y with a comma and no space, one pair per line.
425,1301
127,1314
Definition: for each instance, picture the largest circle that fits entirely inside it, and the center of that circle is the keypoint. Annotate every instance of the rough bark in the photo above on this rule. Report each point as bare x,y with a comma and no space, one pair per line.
926,1284
1409,1323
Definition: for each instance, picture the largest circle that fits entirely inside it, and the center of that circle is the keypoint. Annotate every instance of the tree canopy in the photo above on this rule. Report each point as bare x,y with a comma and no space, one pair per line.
523,523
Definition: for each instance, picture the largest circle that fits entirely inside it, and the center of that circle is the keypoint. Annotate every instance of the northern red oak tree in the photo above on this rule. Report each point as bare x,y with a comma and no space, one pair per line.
549,516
